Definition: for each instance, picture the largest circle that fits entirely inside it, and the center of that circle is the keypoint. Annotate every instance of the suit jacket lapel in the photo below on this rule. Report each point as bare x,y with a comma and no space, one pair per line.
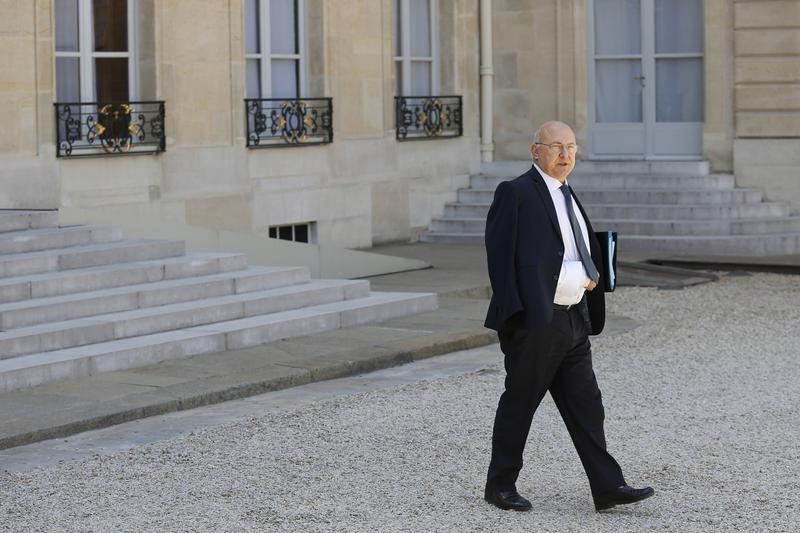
547,200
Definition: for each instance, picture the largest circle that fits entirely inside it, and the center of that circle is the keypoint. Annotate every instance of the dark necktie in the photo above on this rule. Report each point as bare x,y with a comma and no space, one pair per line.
586,257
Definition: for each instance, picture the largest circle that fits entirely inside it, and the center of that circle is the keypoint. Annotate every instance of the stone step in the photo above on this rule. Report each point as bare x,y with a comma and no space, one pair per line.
692,211
15,220
466,210
120,325
458,225
684,168
50,284
745,245
39,368
86,304
34,240
452,238
753,226
88,255
174,316
641,196
627,181
627,212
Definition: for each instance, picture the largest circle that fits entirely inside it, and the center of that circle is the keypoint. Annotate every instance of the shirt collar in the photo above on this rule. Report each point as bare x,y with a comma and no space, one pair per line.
552,183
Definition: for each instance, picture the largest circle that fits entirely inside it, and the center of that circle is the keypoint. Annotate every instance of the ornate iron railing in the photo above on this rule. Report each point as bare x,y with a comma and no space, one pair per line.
428,117
275,122
95,128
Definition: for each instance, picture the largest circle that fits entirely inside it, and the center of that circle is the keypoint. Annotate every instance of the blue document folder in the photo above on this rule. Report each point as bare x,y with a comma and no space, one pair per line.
608,269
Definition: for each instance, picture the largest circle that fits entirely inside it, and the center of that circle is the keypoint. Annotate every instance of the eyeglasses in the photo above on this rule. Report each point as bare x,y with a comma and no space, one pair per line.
559,147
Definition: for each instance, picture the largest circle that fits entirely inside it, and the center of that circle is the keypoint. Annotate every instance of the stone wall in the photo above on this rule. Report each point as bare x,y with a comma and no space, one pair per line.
540,70
28,173
767,85
719,129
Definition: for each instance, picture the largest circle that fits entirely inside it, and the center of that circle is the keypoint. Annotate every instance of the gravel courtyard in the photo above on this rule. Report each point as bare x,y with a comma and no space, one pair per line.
701,403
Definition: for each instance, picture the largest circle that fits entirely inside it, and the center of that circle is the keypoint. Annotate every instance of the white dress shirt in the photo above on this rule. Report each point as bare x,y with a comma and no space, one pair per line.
572,279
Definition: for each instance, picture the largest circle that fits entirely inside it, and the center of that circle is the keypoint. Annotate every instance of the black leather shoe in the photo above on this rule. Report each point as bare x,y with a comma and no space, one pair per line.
621,496
507,499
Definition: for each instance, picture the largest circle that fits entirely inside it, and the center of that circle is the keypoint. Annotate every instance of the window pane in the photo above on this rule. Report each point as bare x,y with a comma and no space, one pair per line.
617,25
253,89
273,232
111,79
284,78
301,233
619,90
285,233
68,79
679,26
398,28
66,15
679,90
420,78
251,27
110,25
398,77
420,14
282,25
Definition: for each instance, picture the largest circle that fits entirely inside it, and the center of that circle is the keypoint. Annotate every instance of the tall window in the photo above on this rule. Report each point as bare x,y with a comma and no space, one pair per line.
275,48
416,35
94,50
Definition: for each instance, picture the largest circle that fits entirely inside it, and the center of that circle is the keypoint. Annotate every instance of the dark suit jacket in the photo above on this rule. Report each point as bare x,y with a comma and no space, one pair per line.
525,250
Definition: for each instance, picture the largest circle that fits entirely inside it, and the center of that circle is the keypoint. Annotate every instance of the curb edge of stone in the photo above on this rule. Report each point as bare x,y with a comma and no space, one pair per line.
452,342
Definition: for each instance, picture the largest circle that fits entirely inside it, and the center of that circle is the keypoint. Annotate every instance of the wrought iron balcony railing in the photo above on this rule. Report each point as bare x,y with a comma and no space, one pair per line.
428,117
95,128
273,122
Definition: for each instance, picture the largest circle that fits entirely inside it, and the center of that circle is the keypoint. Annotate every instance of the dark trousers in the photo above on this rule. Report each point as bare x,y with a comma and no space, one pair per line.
557,358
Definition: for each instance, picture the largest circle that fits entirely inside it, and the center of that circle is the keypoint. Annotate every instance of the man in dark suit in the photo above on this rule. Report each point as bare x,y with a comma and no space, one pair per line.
547,299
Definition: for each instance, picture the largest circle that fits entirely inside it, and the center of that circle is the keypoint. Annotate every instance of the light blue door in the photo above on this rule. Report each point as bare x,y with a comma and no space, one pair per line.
645,79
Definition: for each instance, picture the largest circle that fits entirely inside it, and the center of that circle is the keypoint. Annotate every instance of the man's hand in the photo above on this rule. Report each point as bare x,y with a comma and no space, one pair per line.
591,285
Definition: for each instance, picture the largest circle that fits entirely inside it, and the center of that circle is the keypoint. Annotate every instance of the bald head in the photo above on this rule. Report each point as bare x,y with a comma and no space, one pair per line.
553,149
550,129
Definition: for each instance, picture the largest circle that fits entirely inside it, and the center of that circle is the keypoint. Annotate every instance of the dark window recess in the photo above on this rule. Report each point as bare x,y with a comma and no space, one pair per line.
110,25
292,232
301,233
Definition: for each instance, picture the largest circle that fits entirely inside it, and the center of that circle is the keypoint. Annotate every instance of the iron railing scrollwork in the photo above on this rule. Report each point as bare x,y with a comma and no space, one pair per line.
97,128
274,122
428,117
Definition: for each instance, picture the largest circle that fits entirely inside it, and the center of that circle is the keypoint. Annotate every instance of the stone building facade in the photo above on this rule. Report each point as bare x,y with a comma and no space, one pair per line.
201,59
715,80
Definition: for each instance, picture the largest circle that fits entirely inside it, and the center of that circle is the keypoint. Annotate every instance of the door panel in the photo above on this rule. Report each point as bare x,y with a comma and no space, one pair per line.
678,26
679,89
618,90
646,78
618,27
619,140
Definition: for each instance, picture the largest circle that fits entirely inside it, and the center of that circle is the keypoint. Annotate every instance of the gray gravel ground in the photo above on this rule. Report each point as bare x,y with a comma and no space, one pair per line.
701,402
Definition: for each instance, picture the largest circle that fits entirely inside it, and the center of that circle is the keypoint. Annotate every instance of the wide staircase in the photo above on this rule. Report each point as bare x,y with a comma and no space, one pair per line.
83,300
660,208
